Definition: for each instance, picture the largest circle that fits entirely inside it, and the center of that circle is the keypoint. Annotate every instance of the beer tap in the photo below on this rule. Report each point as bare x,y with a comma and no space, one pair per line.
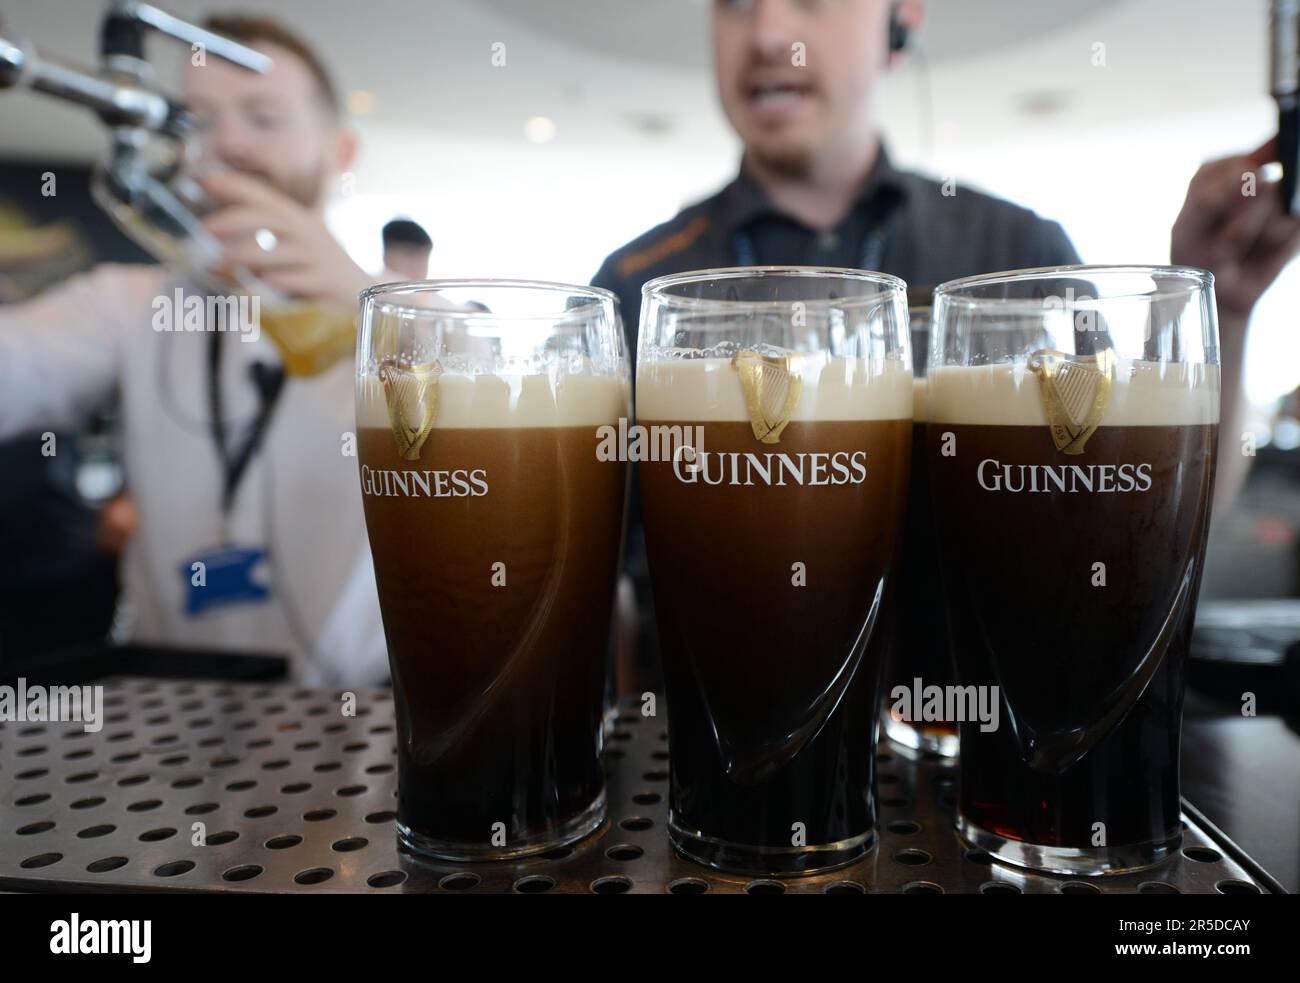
143,182
1284,30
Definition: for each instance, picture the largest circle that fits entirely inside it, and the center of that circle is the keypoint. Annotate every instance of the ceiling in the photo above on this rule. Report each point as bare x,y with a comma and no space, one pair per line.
653,32
624,72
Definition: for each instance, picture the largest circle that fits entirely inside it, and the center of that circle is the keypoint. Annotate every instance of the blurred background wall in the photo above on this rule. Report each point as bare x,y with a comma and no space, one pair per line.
602,121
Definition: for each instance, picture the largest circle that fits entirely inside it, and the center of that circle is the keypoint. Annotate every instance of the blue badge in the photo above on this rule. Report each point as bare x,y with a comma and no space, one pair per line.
223,577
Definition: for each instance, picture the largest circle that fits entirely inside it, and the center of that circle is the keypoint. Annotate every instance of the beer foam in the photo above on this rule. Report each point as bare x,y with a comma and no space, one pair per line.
704,390
919,396
503,401
1143,394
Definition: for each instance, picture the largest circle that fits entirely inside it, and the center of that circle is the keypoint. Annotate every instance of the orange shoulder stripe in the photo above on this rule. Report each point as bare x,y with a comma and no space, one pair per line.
665,247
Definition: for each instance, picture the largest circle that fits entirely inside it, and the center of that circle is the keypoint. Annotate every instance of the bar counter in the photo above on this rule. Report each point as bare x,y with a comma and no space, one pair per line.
287,794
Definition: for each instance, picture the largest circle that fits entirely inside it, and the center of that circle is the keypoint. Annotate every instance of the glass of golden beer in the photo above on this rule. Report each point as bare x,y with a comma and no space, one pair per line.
1073,425
784,399
495,529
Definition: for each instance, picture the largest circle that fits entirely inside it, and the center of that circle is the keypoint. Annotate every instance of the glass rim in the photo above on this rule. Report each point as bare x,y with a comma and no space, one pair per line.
658,284
372,296
954,291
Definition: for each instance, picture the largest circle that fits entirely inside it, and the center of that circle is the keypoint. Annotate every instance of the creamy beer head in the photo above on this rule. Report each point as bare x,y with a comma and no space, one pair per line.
920,394
491,400
703,390
1152,394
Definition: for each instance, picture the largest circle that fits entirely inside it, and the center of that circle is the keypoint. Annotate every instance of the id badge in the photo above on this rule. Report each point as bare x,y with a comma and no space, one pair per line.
225,576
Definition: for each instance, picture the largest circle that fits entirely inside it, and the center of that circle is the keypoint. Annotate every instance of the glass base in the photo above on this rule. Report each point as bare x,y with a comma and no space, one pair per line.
1069,860
925,741
585,823
765,861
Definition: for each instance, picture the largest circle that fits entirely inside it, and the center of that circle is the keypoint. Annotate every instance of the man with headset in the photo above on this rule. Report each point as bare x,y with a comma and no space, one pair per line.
816,187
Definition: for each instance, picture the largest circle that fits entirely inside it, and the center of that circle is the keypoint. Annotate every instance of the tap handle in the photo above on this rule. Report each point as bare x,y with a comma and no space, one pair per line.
1284,48
1284,80
122,35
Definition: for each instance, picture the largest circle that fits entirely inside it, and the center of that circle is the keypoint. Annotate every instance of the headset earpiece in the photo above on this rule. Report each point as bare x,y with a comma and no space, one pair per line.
897,31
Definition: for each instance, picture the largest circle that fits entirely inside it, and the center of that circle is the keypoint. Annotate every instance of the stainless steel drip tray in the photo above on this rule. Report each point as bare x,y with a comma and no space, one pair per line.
287,794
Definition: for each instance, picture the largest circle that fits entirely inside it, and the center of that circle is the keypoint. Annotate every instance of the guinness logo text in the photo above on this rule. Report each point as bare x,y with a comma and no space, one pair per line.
735,468
1069,478
457,483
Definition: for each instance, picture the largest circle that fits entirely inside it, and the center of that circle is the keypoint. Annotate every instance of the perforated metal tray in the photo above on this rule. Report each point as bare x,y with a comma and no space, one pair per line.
291,795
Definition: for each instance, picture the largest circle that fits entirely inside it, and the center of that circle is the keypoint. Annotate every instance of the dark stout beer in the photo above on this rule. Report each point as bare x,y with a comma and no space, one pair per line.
919,645
1071,579
496,555
768,562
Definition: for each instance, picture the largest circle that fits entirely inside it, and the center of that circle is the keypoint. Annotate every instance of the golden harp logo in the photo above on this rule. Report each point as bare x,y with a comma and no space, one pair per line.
412,396
772,384
1075,390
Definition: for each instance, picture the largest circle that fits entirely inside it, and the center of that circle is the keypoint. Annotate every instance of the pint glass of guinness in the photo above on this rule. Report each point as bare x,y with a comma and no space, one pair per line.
919,666
780,403
495,530
1072,468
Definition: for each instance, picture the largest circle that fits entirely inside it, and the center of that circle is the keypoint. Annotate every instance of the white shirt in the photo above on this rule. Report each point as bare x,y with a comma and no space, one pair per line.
64,354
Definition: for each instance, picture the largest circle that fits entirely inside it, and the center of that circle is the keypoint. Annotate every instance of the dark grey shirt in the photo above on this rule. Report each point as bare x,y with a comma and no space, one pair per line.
902,220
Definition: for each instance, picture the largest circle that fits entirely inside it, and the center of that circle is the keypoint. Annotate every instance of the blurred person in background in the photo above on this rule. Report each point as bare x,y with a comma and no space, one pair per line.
58,585
247,530
407,248
797,81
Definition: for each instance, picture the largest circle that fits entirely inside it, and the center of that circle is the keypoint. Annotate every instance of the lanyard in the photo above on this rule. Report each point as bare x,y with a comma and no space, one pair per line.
873,248
269,380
